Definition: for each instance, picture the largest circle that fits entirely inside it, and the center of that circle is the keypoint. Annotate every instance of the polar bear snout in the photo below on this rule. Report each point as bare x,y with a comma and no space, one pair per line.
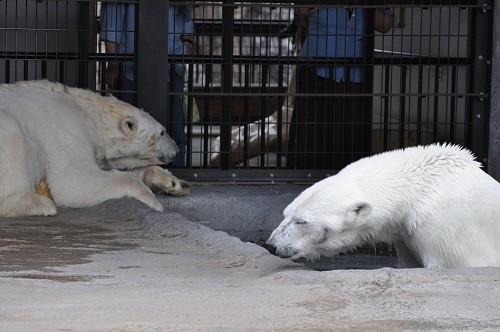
270,247
282,252
168,156
168,150
277,245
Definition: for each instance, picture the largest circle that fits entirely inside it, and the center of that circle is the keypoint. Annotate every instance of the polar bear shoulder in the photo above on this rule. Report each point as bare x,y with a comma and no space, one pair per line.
435,199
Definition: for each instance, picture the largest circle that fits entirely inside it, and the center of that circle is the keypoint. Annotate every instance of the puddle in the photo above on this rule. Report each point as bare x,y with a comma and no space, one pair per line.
367,258
43,245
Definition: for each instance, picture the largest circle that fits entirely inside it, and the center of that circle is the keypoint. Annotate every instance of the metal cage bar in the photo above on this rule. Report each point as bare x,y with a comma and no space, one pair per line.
427,80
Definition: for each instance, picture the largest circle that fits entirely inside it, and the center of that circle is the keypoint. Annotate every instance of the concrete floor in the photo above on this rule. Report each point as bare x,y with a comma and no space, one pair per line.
122,267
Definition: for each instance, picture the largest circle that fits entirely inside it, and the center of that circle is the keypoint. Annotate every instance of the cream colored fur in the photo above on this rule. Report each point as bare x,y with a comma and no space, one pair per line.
62,146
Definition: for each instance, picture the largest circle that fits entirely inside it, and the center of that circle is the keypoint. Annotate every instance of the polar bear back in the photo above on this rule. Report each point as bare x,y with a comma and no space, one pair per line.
449,206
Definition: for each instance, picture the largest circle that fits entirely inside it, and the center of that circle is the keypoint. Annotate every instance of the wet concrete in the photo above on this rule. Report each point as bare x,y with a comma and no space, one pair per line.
122,267
43,244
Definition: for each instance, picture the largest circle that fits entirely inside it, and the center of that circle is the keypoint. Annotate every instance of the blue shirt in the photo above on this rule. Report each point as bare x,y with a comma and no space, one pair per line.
118,24
333,33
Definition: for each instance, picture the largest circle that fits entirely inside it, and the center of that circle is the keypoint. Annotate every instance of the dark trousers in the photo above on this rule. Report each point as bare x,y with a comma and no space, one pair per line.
327,132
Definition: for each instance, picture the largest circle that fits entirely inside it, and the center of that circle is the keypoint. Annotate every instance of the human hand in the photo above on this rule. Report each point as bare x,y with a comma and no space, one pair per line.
188,44
305,11
188,47
111,75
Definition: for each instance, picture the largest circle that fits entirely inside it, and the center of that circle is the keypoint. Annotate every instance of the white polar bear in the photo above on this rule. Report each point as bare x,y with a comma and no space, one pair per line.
76,148
435,199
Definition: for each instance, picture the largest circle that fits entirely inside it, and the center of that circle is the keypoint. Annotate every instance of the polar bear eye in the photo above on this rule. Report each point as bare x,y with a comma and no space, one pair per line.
300,222
162,133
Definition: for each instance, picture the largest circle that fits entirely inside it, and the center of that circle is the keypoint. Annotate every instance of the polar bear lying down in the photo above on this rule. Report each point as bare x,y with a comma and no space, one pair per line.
75,148
434,199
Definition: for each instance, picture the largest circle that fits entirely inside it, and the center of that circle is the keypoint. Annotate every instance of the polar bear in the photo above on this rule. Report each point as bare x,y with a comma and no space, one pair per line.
62,146
435,199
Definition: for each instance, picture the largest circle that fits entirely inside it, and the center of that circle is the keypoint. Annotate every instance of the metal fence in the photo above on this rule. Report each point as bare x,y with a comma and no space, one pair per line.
257,106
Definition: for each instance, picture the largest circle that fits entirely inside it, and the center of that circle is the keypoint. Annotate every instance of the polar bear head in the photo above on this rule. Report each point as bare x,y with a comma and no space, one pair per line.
331,217
129,137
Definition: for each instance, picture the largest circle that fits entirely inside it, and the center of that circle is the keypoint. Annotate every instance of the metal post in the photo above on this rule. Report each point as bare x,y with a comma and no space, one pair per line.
227,82
152,58
83,44
368,61
481,81
494,139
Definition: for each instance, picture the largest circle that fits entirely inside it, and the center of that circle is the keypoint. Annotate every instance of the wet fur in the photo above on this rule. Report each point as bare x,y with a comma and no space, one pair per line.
434,199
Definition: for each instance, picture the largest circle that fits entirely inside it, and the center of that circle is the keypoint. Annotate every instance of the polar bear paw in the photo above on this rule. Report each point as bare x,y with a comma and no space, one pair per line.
27,204
163,182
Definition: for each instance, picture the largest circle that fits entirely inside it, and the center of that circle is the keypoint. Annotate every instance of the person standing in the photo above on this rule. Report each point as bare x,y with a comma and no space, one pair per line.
117,32
328,132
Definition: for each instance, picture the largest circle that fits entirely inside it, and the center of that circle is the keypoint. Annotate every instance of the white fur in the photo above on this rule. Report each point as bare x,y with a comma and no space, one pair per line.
76,140
434,198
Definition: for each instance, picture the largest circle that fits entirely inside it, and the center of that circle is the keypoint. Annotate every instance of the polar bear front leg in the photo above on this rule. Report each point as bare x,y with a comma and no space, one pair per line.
162,181
26,204
18,174
94,187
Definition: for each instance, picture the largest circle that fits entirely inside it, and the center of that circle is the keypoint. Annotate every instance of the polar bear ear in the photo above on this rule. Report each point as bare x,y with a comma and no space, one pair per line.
129,126
358,211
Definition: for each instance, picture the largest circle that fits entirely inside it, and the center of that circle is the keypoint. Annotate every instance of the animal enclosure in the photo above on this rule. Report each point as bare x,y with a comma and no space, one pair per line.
425,80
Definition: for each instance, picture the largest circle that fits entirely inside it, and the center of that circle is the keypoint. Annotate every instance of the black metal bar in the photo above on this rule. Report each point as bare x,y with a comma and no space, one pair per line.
227,82
44,69
206,116
256,175
26,69
189,120
350,3
419,105
395,58
453,105
402,107
83,43
481,80
246,115
152,58
388,78
62,71
436,104
367,116
494,120
7,71
263,113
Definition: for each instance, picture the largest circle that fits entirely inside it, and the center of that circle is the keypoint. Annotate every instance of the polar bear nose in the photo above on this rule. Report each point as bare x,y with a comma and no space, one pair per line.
271,248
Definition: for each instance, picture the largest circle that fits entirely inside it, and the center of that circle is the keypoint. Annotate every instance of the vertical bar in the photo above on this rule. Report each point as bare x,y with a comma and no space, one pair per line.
453,104
227,82
152,58
419,104
436,104
26,70
44,69
207,118
83,44
367,116
189,120
262,115
246,115
402,107
7,71
481,80
494,139
386,108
